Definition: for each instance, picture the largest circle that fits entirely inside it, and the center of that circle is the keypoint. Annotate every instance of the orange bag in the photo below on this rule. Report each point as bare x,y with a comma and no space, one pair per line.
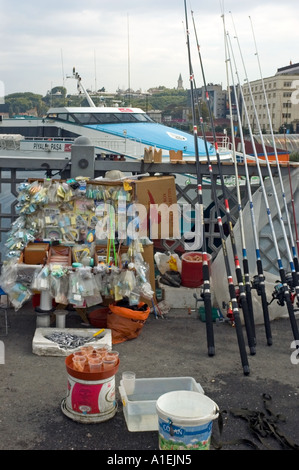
124,323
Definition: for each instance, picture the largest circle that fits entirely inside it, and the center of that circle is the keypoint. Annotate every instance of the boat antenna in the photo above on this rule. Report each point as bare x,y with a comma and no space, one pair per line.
285,292
129,65
95,71
81,88
238,271
205,266
259,283
295,258
63,79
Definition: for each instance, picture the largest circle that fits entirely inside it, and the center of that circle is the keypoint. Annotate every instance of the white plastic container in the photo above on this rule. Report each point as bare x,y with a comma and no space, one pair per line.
185,420
140,408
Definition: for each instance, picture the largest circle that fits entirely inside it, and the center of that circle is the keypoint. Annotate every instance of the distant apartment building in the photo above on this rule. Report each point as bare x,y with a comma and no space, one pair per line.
281,98
217,98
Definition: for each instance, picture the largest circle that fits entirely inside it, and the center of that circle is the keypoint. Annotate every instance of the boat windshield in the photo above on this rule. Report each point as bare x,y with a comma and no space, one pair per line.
142,117
100,118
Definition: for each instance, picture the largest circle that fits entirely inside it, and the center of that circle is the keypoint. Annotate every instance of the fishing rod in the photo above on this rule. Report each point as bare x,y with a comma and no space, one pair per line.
294,260
283,294
240,210
205,266
232,292
259,279
238,271
293,209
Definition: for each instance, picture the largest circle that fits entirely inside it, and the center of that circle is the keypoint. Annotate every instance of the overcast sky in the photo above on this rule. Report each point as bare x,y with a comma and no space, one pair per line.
141,43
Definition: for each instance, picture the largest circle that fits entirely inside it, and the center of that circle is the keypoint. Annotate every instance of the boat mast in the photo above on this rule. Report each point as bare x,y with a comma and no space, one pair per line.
82,89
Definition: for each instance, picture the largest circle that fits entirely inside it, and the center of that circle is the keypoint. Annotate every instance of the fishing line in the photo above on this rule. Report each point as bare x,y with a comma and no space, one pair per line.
231,286
242,294
294,211
205,267
294,260
260,279
285,287
240,210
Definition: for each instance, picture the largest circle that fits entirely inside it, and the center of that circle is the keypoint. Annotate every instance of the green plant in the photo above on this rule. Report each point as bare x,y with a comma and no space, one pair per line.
294,156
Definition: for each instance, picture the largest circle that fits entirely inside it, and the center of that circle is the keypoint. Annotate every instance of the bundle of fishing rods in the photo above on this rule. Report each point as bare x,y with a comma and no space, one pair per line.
241,297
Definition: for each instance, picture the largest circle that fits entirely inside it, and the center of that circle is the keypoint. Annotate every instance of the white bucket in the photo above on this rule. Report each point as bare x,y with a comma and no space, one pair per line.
185,420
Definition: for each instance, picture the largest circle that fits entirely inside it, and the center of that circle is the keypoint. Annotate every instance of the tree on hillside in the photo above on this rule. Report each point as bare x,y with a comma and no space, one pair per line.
55,97
23,102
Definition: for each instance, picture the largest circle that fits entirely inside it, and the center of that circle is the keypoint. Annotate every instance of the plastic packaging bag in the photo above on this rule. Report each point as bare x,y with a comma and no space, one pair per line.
126,323
168,262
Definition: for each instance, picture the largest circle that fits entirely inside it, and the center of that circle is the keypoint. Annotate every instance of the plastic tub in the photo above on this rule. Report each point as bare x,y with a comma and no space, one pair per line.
139,408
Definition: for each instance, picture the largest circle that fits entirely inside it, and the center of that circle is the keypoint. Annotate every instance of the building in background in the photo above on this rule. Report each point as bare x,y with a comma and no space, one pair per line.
180,83
217,97
282,99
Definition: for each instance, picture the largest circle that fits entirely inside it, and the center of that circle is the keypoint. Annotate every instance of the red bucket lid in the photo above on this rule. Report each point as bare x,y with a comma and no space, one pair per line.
86,374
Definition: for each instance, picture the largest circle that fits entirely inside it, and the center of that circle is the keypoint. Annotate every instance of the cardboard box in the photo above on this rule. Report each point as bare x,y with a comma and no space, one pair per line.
158,214
60,255
154,196
36,253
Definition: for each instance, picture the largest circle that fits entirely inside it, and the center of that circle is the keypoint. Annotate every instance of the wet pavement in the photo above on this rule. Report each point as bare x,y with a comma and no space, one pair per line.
32,387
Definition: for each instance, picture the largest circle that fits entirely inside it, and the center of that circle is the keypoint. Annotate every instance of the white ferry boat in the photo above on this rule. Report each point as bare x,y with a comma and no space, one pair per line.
121,131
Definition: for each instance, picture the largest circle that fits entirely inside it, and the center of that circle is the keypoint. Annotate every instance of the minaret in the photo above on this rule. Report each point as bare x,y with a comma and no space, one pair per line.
180,83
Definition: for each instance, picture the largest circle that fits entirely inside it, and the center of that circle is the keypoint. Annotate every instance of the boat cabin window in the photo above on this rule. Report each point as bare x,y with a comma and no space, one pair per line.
142,117
126,117
106,118
85,118
100,118
62,116
71,118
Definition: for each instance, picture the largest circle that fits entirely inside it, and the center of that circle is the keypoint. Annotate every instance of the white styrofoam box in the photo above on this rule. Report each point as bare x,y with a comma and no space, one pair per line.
183,297
140,408
180,297
42,346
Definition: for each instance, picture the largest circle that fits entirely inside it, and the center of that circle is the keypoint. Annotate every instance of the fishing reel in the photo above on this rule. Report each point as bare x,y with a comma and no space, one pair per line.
279,290
255,283
230,318
278,294
290,282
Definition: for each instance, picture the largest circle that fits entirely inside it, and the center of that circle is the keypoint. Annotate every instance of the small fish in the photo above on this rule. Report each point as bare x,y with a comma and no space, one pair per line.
67,340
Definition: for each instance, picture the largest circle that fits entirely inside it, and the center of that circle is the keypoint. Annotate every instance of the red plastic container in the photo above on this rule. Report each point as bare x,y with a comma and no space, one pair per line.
90,396
98,317
191,274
